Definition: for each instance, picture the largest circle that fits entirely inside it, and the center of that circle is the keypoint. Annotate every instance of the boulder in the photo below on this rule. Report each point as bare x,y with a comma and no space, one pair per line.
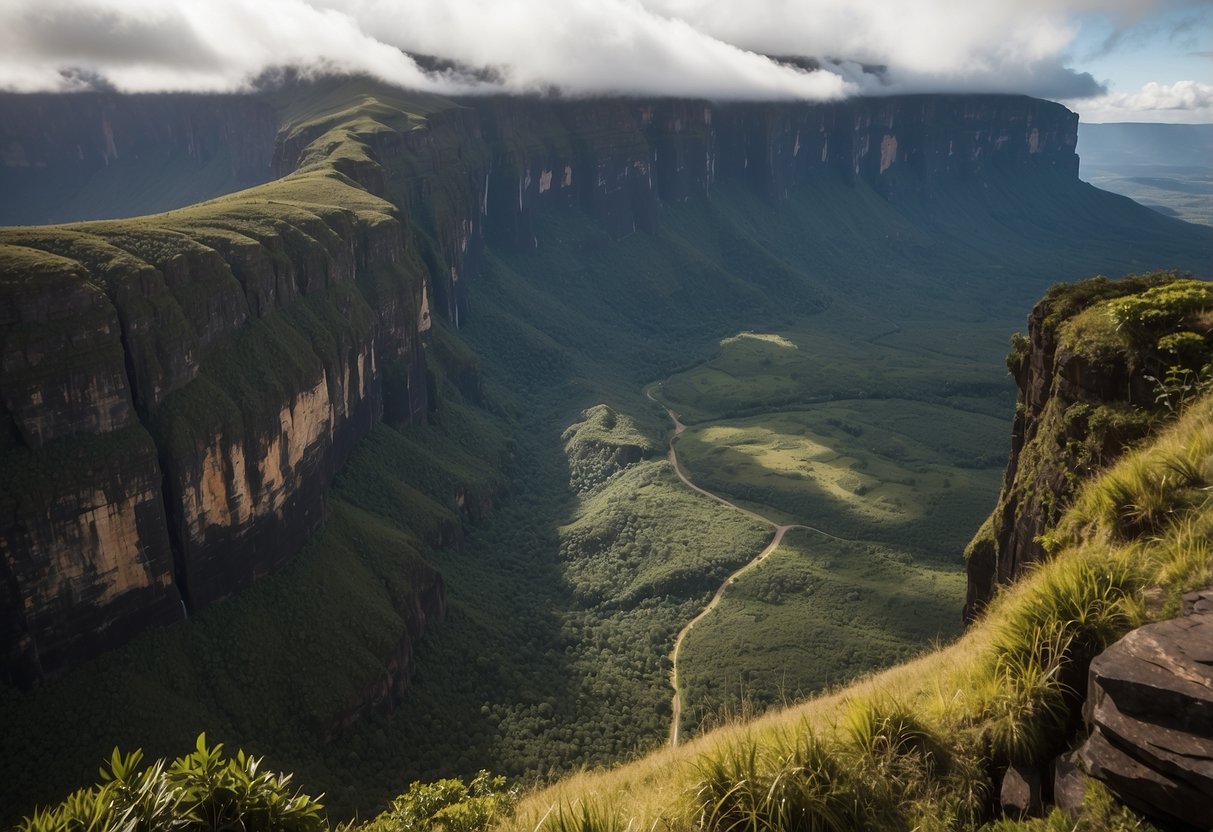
1150,707
1199,602
1020,794
1069,784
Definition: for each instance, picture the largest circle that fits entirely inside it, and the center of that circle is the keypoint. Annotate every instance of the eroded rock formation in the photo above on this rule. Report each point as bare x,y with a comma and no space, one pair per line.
1083,398
1150,709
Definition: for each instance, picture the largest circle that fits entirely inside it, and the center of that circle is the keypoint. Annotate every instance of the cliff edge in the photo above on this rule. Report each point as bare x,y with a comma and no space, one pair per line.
1102,365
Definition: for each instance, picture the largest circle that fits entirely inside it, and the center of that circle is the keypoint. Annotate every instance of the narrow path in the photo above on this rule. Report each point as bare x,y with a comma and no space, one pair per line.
780,531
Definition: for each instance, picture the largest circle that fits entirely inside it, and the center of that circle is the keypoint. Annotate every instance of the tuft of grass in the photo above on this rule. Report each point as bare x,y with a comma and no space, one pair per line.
884,726
747,788
584,815
1027,707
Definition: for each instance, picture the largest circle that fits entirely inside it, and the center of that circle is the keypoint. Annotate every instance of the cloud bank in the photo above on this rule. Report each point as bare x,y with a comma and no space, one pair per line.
1188,102
711,48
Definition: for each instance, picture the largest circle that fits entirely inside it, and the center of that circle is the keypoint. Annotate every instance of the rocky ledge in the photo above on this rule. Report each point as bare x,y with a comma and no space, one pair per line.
1150,708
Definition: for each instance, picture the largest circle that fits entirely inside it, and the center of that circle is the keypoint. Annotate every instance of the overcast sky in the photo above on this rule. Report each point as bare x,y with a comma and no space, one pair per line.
1111,60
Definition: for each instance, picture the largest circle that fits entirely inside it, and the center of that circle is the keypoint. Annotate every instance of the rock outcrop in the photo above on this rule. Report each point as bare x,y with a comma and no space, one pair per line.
1084,396
1150,709
1020,792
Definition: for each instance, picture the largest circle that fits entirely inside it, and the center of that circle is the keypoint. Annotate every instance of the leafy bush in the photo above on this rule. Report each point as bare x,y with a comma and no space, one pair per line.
200,791
1162,306
451,805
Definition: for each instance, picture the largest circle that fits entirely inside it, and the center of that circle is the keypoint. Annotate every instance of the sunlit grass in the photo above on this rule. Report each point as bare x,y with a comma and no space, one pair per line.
816,614
917,476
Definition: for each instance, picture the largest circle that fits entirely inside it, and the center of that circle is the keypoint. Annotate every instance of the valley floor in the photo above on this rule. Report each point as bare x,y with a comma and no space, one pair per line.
825,378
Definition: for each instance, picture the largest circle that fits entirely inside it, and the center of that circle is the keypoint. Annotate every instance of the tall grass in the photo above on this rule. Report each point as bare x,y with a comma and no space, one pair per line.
748,787
585,815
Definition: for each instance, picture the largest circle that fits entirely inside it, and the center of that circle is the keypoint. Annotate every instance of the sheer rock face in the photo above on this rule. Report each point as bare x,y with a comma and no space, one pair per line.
1150,708
52,146
161,477
619,159
174,410
87,560
1061,381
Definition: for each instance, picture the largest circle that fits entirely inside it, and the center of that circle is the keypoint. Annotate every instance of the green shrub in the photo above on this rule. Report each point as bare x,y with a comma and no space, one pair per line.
451,805
1161,307
200,791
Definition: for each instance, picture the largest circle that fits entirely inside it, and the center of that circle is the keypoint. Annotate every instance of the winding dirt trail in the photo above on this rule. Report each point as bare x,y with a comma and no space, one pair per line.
780,531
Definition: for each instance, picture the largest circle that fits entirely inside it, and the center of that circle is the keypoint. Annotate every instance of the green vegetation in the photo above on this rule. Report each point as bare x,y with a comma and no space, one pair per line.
915,475
601,444
759,373
914,747
205,790
201,791
891,488
816,614
570,553
591,633
450,804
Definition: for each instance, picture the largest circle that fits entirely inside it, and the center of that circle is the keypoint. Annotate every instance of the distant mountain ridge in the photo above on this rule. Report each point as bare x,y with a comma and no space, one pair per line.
1168,167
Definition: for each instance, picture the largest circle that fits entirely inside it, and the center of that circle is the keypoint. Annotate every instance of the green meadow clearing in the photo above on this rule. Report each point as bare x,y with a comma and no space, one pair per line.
889,459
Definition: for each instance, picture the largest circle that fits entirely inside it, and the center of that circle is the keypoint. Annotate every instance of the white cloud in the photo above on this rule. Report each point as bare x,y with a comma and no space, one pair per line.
148,45
711,48
1188,102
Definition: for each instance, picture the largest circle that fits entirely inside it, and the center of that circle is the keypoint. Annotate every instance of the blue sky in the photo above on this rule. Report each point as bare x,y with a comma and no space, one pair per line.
1163,49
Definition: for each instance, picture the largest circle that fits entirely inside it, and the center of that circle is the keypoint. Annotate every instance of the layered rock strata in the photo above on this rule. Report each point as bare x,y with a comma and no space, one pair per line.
179,390
1150,710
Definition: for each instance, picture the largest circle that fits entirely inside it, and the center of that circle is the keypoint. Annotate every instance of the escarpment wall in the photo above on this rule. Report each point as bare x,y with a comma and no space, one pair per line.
179,390
618,159
91,155
178,394
1085,394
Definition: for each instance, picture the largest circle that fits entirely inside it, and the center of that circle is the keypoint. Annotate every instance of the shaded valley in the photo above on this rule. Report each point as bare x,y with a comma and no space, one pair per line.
481,558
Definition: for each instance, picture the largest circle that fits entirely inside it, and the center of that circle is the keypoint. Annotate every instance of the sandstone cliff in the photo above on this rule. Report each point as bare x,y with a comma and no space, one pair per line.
97,155
179,390
1089,373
